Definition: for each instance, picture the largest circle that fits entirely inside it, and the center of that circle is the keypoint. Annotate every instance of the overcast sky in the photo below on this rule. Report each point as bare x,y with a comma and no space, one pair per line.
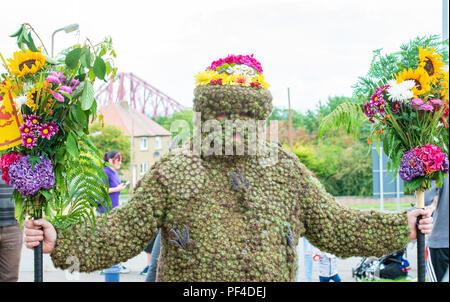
317,48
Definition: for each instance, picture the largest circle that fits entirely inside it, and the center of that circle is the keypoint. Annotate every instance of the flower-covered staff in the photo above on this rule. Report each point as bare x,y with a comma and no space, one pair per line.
46,104
407,106
228,217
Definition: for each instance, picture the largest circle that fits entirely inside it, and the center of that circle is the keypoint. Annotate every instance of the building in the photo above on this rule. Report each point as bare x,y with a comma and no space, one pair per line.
149,140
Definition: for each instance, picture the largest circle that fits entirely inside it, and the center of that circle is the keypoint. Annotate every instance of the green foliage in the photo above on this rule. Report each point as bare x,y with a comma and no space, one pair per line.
343,169
80,188
383,66
111,138
348,115
177,129
280,114
343,165
23,35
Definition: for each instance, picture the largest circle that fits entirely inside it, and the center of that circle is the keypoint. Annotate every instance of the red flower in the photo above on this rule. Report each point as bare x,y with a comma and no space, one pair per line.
213,82
5,161
255,84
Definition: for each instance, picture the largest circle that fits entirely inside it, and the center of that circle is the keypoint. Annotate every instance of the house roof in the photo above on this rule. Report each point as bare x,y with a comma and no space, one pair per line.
128,119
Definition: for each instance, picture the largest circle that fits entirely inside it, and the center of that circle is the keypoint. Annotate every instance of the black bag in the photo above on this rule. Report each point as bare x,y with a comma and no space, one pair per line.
393,268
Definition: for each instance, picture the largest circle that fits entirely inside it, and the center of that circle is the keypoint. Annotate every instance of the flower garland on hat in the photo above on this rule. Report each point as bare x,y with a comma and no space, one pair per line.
233,70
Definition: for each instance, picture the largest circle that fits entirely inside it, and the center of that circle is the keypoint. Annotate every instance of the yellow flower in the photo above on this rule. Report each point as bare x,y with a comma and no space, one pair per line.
260,79
6,87
419,76
227,79
26,62
444,85
431,62
203,78
34,95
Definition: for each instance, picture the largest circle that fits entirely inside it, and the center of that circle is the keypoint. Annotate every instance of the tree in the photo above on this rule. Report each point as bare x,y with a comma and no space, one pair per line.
184,115
111,138
342,164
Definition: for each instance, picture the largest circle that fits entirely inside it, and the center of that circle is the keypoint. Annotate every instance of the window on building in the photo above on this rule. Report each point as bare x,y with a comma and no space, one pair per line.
144,168
144,143
158,142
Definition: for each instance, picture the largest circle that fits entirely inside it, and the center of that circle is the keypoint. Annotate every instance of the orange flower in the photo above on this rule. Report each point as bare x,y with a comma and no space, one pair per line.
369,141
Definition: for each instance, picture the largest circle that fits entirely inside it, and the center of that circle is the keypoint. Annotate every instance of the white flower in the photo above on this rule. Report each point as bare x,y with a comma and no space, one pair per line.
20,100
229,70
400,91
243,69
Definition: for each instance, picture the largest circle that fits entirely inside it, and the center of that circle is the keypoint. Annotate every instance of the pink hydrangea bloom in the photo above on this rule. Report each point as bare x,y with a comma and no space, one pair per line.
5,161
431,156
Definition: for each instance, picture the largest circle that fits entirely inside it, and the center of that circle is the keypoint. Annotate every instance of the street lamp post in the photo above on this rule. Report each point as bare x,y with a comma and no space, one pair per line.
67,29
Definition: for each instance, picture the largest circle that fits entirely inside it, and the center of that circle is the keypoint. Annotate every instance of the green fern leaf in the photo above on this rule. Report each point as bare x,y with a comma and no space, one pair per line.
348,115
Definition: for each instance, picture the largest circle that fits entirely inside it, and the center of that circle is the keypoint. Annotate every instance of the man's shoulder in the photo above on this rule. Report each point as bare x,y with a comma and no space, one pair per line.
181,171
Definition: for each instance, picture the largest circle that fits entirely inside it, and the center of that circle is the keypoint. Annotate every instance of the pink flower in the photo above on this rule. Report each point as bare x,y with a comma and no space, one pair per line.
431,156
58,96
53,79
26,127
436,102
32,119
66,89
5,161
29,140
46,131
426,107
74,83
54,127
416,102
239,59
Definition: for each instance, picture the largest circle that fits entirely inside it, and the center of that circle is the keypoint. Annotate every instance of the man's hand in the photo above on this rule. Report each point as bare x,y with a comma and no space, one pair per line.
119,188
34,234
425,224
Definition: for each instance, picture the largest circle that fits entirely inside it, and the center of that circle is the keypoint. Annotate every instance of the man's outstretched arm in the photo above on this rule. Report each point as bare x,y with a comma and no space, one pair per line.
126,232
347,232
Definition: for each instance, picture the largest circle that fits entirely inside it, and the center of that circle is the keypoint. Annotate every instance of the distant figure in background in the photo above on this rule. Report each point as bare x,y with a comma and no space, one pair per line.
114,158
10,236
327,267
437,243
